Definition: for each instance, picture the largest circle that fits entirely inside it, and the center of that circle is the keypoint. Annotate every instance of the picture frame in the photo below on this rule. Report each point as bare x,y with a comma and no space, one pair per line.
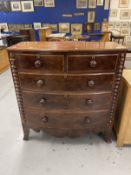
28,26
125,31
89,27
92,4
123,3
5,6
81,4
107,5
76,29
91,16
125,24
37,25
64,27
100,2
4,26
125,14
113,13
105,26
118,25
15,6
38,3
97,26
54,27
27,6
49,3
128,40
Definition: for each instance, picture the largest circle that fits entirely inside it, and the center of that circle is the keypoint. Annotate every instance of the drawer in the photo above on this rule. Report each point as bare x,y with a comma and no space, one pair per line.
78,102
56,119
90,83
46,63
98,63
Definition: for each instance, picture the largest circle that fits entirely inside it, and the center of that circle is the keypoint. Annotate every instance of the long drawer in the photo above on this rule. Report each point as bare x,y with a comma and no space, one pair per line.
45,63
74,120
92,63
72,102
90,83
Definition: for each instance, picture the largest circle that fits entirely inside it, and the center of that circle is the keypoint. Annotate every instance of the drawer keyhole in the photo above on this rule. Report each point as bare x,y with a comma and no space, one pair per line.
91,83
93,63
38,64
89,101
40,83
44,119
43,101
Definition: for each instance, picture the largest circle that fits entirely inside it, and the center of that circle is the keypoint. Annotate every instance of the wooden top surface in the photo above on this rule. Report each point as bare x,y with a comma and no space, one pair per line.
66,46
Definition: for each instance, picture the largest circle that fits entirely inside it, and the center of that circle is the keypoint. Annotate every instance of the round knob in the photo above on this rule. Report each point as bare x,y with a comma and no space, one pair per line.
44,119
43,101
40,83
91,83
93,63
89,101
87,120
38,63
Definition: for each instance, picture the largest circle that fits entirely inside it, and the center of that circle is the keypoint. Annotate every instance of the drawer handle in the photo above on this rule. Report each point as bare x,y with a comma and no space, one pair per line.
87,120
44,119
91,83
93,63
40,83
43,101
89,101
38,63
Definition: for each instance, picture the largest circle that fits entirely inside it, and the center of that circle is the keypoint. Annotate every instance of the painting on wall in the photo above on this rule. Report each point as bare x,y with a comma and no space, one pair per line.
97,26
5,5
38,2
91,16
113,13
54,27
123,3
107,4
4,27
100,2
64,27
125,24
15,6
125,14
49,3
92,4
125,31
37,25
76,29
27,6
80,4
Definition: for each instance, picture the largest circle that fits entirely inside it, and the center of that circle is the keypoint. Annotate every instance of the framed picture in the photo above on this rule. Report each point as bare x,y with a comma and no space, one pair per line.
64,27
15,6
100,2
37,25
4,26
107,4
128,40
113,13
49,3
76,29
125,14
97,26
91,16
104,27
92,4
27,6
81,4
89,27
125,31
54,27
118,25
125,24
123,3
28,26
5,5
38,2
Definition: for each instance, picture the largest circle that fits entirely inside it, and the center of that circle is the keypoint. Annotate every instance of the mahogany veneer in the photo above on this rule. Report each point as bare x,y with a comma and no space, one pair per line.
67,88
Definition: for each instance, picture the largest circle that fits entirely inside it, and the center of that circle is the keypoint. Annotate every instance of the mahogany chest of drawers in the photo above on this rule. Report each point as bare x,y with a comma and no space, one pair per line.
67,88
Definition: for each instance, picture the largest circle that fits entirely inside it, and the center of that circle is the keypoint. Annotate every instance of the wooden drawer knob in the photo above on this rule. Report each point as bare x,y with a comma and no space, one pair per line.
40,83
93,63
87,120
91,83
43,101
38,64
44,119
89,101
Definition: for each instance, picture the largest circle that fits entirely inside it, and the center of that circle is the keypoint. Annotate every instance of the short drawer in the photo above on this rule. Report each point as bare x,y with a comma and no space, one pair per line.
46,63
56,119
76,102
86,63
90,83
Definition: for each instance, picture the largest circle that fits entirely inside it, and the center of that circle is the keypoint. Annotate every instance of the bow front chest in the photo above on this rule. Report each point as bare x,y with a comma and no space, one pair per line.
67,88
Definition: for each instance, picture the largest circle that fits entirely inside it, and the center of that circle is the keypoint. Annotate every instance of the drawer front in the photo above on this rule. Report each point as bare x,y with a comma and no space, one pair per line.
46,63
78,102
98,63
66,120
90,83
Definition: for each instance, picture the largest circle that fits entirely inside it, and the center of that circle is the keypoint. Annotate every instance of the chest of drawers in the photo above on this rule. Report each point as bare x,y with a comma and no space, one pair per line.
67,88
